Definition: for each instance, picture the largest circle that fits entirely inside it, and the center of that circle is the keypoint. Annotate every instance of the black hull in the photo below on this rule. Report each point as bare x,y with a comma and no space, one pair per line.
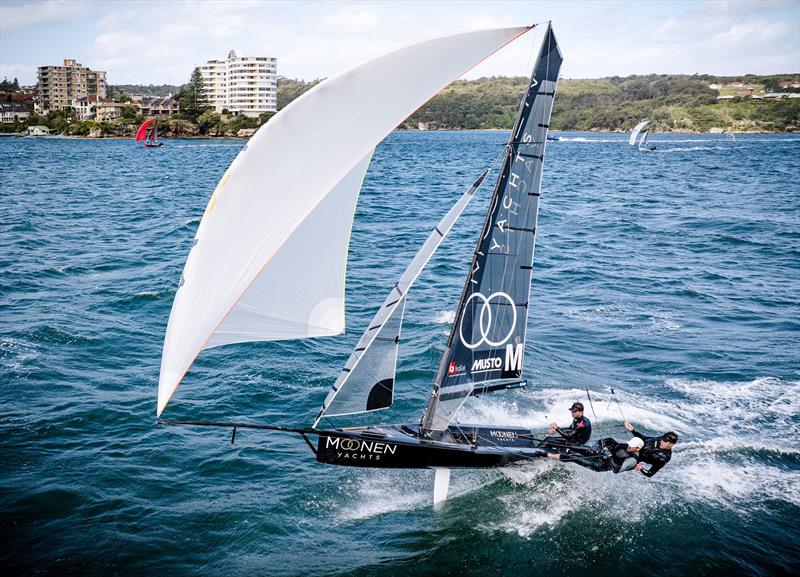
401,447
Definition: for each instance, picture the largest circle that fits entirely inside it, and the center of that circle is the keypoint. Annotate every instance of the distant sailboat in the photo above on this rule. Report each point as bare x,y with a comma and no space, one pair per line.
637,129
643,146
269,257
148,133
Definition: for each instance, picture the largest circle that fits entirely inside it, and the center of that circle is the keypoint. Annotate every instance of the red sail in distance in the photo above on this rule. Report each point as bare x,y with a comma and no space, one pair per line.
141,133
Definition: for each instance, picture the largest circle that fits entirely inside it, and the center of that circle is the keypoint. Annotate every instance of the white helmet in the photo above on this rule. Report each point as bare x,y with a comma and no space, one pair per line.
636,442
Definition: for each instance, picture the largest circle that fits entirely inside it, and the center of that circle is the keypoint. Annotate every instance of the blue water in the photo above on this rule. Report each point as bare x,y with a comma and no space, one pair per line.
672,277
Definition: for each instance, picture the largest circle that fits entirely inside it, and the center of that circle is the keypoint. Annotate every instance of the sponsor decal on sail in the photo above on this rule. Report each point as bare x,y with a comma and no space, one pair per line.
486,320
511,362
453,369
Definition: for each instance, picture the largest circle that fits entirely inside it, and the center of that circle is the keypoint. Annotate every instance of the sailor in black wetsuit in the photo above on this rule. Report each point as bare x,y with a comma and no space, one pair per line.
656,452
609,456
577,433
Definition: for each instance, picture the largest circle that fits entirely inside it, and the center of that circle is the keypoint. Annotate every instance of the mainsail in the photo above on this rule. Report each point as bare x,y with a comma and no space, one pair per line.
269,257
486,346
636,130
366,382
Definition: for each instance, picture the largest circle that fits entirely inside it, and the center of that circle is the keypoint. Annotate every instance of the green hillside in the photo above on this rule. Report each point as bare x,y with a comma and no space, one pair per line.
675,103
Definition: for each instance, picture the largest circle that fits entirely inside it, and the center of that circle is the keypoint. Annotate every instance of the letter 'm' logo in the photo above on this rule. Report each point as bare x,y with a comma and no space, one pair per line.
514,354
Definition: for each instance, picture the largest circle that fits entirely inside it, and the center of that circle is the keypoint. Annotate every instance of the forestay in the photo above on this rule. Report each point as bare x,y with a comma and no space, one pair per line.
366,382
269,257
487,340
636,130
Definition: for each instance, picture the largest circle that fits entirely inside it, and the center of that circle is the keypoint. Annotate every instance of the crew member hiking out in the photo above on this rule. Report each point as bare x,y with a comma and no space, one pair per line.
578,433
656,452
609,456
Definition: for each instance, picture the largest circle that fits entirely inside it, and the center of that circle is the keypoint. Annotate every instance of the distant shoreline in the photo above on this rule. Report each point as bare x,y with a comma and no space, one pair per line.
552,132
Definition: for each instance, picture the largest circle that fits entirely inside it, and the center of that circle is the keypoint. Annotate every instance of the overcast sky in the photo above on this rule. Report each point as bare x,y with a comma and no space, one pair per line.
147,42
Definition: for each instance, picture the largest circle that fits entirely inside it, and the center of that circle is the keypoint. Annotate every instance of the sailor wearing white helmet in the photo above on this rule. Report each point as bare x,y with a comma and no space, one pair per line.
611,456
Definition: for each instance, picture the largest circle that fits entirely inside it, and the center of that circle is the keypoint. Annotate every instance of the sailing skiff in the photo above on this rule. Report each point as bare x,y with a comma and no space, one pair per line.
148,133
268,260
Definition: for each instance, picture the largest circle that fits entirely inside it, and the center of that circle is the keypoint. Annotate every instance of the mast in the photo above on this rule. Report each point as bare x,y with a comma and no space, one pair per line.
487,340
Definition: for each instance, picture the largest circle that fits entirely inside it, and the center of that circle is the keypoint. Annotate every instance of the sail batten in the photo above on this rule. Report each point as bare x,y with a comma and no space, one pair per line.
308,162
487,340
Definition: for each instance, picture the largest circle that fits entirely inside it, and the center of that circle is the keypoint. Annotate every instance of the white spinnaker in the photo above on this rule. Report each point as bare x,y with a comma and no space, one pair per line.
247,278
636,130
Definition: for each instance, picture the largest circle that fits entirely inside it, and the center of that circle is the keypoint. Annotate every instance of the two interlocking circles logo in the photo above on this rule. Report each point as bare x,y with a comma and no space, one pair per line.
486,320
349,444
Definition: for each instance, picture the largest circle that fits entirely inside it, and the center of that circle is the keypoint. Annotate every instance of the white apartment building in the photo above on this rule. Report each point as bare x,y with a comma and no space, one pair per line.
244,84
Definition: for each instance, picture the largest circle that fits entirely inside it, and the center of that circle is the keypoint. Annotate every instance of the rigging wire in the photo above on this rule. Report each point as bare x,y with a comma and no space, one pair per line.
619,406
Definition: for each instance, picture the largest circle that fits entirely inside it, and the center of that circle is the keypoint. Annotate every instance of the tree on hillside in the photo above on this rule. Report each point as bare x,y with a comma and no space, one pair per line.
6,86
192,96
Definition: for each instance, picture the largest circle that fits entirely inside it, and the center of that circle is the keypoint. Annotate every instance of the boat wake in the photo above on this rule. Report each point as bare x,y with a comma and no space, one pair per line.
727,458
583,139
688,148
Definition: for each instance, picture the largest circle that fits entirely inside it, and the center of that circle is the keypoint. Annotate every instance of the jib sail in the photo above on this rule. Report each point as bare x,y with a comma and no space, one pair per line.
366,382
487,340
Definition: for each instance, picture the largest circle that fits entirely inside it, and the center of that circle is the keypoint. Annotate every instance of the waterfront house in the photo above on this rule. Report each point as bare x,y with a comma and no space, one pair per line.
157,107
13,111
38,131
106,110
86,106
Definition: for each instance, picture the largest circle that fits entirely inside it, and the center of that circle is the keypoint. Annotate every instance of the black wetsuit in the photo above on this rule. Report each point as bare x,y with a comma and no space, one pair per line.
652,454
577,433
609,456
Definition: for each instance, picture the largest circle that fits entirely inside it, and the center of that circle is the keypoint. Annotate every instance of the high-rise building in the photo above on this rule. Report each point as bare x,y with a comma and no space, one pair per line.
244,84
58,85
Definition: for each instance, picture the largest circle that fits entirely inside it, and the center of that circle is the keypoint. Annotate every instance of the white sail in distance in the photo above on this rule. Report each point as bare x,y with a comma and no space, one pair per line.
269,257
636,130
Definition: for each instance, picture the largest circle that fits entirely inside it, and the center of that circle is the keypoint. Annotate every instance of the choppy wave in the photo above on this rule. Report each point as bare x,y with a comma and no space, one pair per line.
445,317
